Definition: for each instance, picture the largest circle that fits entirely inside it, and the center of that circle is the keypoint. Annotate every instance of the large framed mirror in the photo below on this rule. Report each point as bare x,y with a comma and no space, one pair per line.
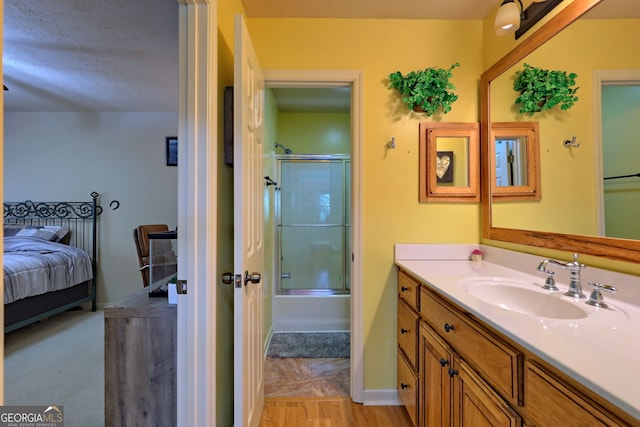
587,37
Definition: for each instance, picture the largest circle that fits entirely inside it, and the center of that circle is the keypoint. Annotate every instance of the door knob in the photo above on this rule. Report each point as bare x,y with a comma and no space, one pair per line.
253,278
231,279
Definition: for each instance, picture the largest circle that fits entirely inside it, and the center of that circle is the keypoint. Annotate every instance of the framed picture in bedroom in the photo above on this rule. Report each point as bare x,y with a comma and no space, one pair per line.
172,150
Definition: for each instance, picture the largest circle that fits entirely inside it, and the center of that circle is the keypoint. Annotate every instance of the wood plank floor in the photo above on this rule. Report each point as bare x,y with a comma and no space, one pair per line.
329,412
315,393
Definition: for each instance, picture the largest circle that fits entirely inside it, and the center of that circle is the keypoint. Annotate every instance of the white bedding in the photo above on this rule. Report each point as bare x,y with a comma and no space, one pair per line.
34,266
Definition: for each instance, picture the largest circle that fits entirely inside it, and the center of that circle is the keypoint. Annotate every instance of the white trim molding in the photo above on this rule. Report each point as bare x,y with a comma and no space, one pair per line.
382,397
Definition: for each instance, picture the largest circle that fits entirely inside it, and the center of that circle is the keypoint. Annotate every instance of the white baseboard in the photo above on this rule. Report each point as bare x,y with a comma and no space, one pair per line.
268,341
384,397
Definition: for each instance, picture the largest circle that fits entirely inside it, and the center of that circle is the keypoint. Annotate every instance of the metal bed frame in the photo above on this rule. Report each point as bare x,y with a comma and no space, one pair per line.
81,220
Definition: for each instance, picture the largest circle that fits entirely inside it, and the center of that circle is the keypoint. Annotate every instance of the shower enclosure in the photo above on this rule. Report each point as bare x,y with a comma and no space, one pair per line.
313,247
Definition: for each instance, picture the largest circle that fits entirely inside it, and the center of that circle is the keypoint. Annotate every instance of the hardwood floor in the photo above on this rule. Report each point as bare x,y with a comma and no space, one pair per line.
329,412
315,393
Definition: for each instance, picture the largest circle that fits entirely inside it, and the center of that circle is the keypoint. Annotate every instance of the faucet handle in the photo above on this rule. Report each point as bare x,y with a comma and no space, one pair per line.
550,281
576,263
596,299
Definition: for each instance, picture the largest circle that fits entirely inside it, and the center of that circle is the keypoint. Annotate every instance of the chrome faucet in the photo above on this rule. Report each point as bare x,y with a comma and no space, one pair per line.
574,267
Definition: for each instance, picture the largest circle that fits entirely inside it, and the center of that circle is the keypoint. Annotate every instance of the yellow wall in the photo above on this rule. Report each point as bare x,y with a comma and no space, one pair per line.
392,213
315,133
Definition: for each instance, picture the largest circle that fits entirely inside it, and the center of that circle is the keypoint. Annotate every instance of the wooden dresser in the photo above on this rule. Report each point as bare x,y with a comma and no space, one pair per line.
140,361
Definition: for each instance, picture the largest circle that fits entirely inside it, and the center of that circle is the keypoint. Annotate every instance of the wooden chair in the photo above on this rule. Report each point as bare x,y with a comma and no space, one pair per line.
141,239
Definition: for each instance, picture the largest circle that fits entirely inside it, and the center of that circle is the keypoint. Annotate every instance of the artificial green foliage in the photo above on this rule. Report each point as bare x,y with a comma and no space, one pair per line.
542,90
426,90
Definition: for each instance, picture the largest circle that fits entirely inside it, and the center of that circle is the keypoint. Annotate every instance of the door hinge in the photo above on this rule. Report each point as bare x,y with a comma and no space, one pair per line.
181,287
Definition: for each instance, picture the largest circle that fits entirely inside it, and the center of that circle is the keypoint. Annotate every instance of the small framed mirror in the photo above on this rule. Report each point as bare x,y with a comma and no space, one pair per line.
449,162
515,151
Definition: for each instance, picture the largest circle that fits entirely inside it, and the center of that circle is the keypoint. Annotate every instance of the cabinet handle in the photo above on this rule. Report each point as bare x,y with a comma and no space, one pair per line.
404,386
404,288
453,372
404,331
443,362
448,327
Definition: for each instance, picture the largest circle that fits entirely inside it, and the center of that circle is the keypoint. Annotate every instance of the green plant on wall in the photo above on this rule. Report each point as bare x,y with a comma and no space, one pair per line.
426,90
542,90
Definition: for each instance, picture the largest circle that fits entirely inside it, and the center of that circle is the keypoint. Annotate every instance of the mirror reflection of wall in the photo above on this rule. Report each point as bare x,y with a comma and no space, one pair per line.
577,210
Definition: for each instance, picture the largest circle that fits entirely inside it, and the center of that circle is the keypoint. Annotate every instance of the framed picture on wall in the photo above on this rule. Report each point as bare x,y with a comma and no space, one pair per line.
444,166
172,150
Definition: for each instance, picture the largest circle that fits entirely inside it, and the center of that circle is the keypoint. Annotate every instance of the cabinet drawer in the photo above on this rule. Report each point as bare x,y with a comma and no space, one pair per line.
408,332
408,290
500,364
408,388
549,402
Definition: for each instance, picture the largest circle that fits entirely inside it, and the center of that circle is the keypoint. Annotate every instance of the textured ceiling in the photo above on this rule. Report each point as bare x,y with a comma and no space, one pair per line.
96,55
122,55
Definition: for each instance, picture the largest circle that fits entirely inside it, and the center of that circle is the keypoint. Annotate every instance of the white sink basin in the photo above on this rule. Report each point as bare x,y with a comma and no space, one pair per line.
523,297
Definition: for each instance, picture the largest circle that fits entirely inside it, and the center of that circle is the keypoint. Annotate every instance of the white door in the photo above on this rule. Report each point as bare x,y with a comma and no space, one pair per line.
248,241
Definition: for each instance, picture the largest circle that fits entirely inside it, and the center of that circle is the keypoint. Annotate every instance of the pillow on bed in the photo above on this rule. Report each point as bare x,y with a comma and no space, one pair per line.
47,232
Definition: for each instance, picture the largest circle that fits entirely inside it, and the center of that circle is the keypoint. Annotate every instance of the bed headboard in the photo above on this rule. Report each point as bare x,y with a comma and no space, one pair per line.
80,218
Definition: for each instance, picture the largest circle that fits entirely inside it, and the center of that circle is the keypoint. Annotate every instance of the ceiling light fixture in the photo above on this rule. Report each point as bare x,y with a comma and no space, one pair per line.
508,17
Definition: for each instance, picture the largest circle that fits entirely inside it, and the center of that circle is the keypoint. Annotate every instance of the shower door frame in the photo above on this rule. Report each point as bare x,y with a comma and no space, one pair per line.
346,223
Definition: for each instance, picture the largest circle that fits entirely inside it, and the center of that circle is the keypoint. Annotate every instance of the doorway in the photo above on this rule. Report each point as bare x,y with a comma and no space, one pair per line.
616,121
620,151
349,82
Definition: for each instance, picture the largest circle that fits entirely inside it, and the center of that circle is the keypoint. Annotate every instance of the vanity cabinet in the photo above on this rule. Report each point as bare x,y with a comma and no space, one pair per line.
499,363
408,327
549,399
453,393
467,373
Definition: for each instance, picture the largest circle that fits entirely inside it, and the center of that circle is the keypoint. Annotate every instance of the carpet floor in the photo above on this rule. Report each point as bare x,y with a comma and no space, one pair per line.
310,345
59,361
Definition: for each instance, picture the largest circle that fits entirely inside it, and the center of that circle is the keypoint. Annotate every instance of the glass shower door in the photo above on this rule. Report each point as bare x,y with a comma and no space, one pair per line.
313,227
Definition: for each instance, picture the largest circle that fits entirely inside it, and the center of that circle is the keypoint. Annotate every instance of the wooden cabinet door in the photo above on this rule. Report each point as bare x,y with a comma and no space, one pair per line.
435,397
550,401
475,404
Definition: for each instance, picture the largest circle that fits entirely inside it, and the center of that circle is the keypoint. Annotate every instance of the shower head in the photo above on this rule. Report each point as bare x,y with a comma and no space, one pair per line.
286,150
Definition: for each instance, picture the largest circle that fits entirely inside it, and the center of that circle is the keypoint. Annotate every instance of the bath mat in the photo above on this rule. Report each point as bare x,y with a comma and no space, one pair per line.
310,345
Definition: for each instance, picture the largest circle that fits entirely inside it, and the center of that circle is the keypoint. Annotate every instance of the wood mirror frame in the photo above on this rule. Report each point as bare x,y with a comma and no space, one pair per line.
531,189
430,189
617,249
